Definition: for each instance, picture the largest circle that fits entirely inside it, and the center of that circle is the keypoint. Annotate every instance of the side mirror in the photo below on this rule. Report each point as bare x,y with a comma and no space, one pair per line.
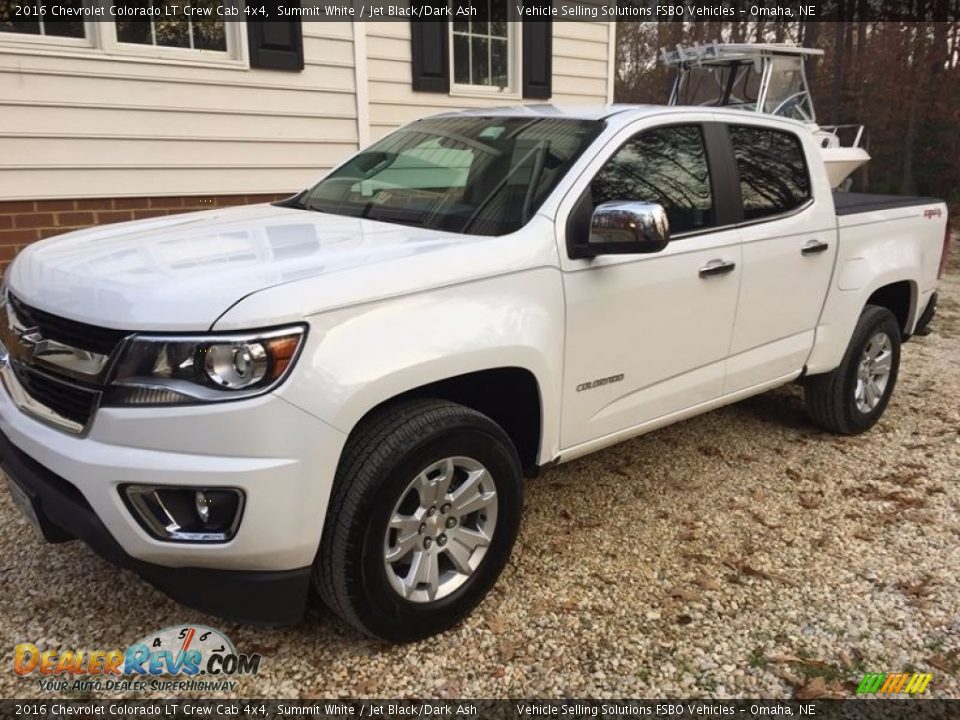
626,226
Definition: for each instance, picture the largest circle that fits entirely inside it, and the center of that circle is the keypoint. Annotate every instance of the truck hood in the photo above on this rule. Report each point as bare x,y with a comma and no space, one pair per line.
182,272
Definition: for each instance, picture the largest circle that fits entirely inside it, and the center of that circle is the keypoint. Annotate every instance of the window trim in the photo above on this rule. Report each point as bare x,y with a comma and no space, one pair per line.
720,163
100,42
42,42
712,176
28,41
235,54
514,69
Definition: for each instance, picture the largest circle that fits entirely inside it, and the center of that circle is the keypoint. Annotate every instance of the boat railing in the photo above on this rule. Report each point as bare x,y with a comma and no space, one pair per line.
834,136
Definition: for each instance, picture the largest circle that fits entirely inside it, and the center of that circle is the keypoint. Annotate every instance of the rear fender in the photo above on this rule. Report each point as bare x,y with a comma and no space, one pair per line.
872,256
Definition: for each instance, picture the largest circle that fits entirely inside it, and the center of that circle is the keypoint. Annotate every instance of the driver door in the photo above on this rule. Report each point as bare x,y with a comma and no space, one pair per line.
648,334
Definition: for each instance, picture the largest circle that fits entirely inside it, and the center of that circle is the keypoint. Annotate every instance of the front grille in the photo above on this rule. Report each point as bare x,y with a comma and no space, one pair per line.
66,399
70,332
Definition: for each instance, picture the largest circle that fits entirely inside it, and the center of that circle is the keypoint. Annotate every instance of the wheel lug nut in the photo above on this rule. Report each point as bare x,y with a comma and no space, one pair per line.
445,509
432,511
427,542
451,521
423,528
442,540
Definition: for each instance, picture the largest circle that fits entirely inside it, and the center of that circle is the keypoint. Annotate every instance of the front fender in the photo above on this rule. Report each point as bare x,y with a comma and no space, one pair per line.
358,357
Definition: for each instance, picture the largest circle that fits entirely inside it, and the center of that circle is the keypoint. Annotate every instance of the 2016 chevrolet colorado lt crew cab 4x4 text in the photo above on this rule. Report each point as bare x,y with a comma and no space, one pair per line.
348,388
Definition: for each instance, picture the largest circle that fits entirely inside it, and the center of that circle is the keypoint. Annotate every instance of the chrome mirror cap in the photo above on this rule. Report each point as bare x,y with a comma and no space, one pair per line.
627,226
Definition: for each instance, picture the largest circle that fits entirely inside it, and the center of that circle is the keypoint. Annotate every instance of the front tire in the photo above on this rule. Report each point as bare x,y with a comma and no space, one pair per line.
851,399
423,515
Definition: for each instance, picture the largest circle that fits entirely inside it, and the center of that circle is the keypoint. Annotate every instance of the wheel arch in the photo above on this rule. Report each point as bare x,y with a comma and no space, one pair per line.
900,298
510,396
843,309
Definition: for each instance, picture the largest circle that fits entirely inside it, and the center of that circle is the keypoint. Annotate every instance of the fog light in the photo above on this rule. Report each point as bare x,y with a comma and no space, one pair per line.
181,514
203,506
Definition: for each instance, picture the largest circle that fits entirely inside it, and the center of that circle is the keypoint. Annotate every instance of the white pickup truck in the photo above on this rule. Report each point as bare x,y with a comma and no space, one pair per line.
347,389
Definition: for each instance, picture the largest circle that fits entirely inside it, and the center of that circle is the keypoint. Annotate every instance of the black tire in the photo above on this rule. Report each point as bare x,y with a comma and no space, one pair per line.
830,398
383,454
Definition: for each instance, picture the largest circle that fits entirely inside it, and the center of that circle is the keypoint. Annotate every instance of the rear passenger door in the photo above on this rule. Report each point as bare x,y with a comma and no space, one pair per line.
788,249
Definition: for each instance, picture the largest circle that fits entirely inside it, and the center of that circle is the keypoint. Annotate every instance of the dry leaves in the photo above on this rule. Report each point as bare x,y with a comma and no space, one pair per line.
819,689
918,591
809,502
495,624
507,649
904,500
708,583
945,662
744,568
683,593
764,521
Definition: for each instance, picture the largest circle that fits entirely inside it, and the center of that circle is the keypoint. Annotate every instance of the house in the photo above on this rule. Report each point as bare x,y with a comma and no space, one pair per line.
104,120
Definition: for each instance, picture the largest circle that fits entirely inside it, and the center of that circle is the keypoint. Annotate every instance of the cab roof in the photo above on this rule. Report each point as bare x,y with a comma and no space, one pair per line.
622,113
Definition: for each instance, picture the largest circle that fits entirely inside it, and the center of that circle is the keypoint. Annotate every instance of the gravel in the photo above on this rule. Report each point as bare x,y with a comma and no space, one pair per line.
740,553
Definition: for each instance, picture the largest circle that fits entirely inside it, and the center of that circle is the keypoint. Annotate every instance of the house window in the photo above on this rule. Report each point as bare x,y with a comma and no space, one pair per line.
33,18
484,49
202,31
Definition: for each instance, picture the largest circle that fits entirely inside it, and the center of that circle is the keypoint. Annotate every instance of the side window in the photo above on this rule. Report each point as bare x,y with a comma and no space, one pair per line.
773,171
667,166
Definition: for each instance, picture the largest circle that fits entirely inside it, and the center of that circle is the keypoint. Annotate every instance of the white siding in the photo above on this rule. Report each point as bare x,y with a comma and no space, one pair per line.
83,124
580,74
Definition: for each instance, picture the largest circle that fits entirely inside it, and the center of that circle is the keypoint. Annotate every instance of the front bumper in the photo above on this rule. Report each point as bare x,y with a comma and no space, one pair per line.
283,459
64,514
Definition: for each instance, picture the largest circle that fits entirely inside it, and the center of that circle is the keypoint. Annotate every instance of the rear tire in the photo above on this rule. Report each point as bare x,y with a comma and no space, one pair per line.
851,399
395,515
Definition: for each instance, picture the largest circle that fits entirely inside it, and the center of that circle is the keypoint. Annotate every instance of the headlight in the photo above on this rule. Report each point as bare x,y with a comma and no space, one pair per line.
174,369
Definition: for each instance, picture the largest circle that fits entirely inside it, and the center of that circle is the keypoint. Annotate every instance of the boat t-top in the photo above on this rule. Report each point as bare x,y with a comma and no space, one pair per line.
764,78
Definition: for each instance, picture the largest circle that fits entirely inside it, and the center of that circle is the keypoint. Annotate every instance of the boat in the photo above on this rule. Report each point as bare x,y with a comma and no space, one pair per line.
763,78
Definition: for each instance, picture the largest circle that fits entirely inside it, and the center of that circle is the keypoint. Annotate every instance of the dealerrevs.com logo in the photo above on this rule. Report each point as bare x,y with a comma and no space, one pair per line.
200,657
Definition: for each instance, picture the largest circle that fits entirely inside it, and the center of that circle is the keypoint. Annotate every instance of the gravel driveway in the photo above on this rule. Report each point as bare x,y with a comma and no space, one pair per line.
740,553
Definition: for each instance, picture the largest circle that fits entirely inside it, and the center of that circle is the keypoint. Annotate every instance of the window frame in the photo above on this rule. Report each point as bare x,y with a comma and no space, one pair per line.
235,54
48,42
514,67
715,176
100,42
736,169
721,166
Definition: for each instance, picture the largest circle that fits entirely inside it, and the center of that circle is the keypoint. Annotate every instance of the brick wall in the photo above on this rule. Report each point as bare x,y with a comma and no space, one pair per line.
25,221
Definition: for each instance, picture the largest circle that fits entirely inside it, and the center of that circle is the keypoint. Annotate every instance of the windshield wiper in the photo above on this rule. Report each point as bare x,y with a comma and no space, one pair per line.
295,202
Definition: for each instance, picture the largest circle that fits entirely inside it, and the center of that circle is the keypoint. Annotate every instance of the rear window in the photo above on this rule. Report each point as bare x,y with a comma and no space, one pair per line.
773,171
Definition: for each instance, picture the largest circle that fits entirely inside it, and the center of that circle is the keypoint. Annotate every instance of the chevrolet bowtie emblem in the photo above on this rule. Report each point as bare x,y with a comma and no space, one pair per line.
30,338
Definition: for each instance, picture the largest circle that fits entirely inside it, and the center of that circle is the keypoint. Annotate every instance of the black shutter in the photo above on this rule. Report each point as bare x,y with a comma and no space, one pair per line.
429,45
275,44
538,56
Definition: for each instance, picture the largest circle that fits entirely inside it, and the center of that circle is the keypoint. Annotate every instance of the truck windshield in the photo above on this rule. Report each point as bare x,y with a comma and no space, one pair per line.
472,175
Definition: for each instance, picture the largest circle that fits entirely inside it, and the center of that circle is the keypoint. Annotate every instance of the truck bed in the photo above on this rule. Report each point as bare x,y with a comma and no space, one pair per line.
850,203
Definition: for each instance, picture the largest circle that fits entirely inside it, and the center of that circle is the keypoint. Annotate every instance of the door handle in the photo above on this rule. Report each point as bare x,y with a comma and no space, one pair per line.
717,267
813,247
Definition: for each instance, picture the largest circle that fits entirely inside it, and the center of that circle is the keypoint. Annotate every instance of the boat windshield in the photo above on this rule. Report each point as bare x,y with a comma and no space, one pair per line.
743,84
734,84
472,175
786,94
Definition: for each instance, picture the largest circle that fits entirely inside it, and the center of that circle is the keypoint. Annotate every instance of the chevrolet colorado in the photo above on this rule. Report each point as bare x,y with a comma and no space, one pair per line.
346,389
